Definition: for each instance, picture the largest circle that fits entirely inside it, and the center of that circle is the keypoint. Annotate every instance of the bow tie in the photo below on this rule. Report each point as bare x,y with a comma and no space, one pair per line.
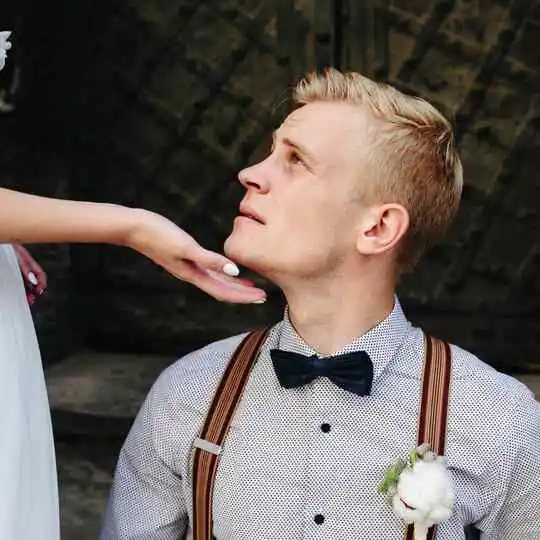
350,371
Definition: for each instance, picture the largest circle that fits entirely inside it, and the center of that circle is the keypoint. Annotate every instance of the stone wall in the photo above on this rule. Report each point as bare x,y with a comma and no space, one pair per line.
159,103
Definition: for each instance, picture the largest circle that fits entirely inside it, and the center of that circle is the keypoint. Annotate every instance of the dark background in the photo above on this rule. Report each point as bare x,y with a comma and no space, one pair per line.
158,104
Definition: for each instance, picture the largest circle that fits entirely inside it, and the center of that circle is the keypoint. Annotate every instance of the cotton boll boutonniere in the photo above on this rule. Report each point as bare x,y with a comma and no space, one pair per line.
5,45
419,488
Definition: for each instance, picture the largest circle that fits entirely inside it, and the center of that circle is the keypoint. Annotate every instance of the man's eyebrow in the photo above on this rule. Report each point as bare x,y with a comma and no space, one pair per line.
289,142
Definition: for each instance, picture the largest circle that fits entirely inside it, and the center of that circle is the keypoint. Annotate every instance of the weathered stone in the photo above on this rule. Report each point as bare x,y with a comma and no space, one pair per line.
419,8
85,471
401,47
164,322
170,100
483,161
444,80
104,384
525,48
173,87
477,22
162,13
139,135
505,106
259,78
249,7
211,38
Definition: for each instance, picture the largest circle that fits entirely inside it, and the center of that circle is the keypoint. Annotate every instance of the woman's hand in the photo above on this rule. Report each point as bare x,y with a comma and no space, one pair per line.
35,278
177,252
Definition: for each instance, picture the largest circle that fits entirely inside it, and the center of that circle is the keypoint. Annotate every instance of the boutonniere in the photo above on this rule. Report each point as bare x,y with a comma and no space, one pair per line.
5,45
419,488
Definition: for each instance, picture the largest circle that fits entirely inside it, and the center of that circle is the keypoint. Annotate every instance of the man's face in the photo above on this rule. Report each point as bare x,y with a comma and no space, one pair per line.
300,212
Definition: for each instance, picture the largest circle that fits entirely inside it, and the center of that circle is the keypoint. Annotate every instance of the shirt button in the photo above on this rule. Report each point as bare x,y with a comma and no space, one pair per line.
325,427
319,519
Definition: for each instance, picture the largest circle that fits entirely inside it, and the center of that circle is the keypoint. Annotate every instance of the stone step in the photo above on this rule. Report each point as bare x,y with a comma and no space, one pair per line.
533,382
105,384
97,393
85,474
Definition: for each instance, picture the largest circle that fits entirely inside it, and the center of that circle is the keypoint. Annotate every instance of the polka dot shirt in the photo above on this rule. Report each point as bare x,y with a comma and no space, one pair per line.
304,463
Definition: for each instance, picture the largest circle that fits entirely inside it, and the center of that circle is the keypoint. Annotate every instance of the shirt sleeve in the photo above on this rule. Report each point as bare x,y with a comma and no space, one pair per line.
146,498
516,512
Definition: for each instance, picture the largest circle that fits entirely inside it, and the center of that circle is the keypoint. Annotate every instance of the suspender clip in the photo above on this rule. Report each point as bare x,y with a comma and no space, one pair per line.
203,444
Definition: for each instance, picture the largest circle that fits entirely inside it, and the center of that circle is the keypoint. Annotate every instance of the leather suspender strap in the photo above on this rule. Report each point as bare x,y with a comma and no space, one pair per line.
215,428
433,413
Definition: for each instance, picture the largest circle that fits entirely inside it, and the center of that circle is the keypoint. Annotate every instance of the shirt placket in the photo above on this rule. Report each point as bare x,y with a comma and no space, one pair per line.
320,515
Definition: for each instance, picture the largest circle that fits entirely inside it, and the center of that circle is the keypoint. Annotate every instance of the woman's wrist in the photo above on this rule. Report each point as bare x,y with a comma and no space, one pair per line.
128,225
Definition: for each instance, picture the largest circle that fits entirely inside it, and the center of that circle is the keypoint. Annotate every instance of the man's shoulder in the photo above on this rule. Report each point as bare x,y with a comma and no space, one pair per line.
468,370
469,373
483,395
204,364
191,381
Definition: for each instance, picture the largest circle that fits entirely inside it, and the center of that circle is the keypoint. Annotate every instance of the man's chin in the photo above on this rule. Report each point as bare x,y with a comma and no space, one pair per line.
243,255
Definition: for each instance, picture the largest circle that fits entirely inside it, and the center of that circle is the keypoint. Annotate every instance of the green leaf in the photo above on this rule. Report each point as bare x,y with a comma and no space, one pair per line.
391,476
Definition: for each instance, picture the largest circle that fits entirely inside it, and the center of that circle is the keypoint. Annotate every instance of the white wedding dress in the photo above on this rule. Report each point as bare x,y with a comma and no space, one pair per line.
28,482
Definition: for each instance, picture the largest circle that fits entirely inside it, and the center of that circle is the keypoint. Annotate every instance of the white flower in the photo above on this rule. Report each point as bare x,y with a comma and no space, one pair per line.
5,45
424,494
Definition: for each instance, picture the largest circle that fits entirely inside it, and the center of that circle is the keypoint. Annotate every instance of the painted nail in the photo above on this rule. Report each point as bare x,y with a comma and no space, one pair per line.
32,278
231,269
261,301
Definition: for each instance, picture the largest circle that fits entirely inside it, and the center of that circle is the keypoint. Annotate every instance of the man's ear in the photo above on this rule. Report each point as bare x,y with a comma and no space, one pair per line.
382,228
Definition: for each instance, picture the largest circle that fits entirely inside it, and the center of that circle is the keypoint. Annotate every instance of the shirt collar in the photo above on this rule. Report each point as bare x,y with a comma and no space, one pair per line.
381,343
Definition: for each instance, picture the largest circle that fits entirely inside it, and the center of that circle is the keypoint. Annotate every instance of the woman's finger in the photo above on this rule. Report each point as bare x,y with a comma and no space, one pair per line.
209,260
223,288
32,270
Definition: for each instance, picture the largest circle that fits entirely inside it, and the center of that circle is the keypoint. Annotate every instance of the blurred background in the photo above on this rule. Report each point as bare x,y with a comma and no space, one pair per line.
158,104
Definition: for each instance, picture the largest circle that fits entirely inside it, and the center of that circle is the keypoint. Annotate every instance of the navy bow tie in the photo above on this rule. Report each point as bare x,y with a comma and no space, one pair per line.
350,371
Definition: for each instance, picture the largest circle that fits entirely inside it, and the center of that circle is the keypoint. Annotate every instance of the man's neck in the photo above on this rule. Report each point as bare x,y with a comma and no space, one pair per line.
328,317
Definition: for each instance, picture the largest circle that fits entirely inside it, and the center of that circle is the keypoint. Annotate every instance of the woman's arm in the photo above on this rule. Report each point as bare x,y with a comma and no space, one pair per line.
28,218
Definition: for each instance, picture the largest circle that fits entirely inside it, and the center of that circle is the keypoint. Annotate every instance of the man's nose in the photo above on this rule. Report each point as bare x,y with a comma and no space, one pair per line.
254,178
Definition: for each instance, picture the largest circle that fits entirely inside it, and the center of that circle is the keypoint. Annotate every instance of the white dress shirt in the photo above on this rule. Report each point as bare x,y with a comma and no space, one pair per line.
304,463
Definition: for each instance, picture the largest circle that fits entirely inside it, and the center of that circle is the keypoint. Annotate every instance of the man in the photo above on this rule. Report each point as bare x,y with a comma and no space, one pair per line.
359,181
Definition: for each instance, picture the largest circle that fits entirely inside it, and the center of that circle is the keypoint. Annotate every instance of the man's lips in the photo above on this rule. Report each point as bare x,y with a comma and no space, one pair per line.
250,214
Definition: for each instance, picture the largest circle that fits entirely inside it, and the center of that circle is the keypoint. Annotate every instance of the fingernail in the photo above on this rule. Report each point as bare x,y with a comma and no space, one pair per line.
231,269
32,278
261,301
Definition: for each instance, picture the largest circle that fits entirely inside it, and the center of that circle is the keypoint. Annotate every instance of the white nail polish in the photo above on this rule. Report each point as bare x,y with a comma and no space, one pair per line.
261,301
32,278
231,270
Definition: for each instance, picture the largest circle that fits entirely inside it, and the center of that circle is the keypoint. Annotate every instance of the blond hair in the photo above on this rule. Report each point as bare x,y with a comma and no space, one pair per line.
414,153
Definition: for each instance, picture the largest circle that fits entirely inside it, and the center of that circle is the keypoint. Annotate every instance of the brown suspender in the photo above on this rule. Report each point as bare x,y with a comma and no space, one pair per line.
433,412
215,428
431,422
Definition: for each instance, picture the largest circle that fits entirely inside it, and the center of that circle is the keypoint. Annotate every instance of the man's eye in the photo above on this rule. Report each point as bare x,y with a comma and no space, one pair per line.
295,159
